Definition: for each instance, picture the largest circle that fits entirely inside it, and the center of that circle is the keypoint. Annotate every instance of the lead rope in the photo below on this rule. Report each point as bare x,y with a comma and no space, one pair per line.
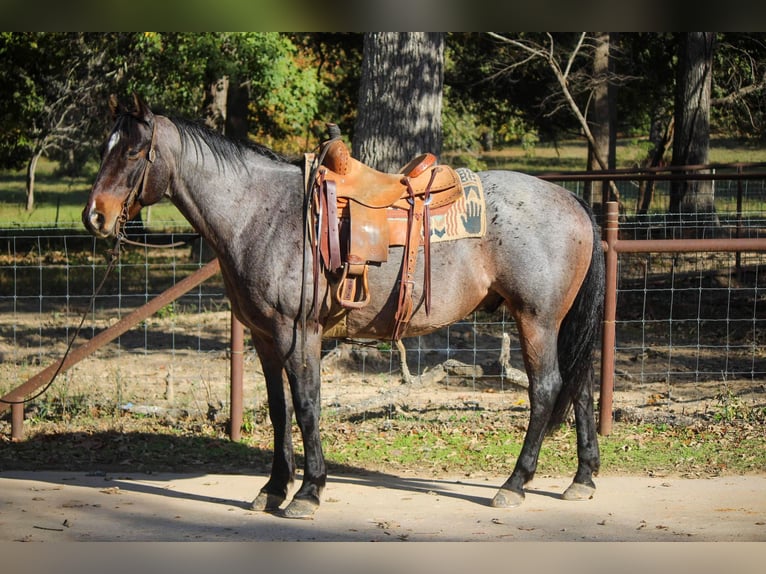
114,256
180,243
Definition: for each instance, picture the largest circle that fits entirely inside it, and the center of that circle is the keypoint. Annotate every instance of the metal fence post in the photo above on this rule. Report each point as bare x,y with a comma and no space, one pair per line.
17,421
610,315
237,369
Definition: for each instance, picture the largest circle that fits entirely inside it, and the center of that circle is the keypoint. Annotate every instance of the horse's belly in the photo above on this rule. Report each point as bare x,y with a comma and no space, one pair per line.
459,284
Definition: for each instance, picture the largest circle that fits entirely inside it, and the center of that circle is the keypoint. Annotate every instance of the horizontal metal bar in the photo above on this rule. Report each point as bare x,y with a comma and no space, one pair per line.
652,176
688,245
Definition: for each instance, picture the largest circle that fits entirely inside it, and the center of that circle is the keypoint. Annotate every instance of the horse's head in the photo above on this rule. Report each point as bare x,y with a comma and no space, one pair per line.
131,174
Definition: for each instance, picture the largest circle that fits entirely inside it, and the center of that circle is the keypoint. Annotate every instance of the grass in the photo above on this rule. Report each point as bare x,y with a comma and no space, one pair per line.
59,199
433,443
572,155
736,447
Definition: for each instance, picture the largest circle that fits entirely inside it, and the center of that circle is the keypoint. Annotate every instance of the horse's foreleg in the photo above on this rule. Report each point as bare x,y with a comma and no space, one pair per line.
274,492
588,457
304,377
545,384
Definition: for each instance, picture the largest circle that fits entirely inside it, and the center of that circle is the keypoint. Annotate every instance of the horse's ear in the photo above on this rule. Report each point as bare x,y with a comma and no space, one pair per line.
115,107
142,110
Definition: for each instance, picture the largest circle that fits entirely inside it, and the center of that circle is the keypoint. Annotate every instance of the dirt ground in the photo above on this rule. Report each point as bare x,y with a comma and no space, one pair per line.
374,507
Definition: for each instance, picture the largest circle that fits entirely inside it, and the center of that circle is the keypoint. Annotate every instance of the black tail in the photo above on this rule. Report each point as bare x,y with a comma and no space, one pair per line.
579,333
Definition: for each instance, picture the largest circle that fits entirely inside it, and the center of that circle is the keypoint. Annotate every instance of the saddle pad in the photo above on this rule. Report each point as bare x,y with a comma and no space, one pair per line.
465,218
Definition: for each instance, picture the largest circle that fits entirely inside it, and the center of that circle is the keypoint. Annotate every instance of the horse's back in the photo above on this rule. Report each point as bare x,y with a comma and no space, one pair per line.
541,232
535,252
529,201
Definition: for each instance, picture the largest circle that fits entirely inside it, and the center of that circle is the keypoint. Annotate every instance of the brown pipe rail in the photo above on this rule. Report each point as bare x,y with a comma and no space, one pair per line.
79,353
613,247
685,172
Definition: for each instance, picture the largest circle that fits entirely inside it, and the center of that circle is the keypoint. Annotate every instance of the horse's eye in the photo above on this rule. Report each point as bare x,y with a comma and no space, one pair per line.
134,154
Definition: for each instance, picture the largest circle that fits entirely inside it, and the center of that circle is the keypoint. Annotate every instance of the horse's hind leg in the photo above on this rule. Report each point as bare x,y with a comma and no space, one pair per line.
541,361
274,492
588,457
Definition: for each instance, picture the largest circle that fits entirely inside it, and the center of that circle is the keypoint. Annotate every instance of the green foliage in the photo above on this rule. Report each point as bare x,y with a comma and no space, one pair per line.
739,64
167,312
55,88
53,96
52,82
20,97
177,68
336,58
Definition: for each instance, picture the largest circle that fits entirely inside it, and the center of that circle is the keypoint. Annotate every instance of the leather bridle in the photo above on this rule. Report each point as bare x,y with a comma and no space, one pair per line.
150,156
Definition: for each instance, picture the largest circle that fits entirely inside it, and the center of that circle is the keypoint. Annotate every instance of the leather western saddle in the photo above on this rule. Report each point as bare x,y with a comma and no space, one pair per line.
354,211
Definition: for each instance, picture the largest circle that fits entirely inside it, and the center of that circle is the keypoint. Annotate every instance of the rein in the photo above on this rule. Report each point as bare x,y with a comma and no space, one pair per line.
309,236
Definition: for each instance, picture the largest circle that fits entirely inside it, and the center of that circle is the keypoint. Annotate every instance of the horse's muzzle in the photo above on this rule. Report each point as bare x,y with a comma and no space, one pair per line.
97,222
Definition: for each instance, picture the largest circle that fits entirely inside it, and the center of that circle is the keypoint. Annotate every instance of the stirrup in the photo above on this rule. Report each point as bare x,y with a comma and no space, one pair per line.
346,293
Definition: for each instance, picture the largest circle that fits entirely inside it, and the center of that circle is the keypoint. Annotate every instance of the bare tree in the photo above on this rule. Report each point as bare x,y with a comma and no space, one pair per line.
70,92
400,98
562,66
741,56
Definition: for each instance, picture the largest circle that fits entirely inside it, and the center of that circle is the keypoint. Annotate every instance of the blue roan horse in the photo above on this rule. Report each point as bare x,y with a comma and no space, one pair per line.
541,256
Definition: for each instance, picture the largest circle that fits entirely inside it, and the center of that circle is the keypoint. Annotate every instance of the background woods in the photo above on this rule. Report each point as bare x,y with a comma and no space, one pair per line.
460,93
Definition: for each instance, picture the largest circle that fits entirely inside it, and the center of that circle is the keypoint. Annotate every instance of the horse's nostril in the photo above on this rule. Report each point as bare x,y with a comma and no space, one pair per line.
95,221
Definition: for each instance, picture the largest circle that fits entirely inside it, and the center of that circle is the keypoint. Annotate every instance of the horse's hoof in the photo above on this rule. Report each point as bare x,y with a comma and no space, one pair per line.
507,499
300,508
267,502
578,491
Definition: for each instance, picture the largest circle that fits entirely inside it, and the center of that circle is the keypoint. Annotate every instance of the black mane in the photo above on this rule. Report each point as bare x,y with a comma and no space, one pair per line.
224,149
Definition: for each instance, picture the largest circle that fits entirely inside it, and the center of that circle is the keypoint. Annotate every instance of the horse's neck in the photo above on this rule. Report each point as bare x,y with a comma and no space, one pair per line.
223,200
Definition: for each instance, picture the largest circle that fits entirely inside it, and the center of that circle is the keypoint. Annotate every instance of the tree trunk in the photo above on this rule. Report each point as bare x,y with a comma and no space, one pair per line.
31,169
400,98
660,136
691,140
602,116
216,110
237,126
